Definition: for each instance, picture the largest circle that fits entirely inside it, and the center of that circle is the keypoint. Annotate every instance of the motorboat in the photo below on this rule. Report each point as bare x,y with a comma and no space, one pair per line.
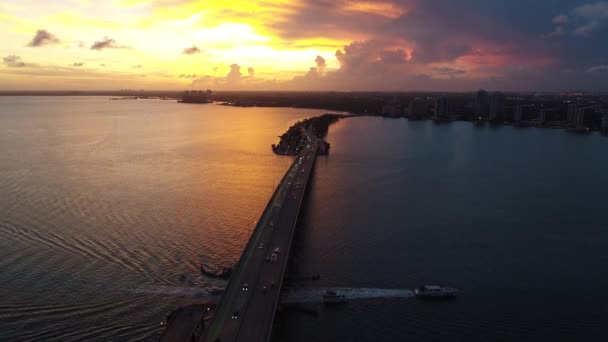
332,297
435,292
224,273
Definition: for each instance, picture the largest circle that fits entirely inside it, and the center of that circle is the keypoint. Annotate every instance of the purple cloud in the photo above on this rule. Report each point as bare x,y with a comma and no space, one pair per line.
13,61
43,37
107,43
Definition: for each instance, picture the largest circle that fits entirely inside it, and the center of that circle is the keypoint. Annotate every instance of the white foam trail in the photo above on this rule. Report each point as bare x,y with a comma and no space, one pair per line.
182,291
290,295
315,295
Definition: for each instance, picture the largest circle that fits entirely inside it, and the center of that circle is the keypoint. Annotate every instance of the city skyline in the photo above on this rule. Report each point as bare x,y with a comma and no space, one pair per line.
304,45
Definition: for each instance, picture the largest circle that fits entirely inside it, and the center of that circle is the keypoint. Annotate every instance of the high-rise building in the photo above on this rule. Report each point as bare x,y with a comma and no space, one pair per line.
482,104
392,108
571,112
518,114
542,116
442,108
497,106
418,108
579,118
605,122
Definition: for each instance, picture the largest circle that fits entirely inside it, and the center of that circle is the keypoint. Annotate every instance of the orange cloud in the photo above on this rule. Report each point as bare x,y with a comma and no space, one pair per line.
384,9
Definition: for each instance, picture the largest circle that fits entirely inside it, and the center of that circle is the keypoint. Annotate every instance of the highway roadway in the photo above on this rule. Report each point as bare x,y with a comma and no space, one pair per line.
247,310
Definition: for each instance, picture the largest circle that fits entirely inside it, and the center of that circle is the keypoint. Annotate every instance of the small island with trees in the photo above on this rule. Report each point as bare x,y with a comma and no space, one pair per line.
291,141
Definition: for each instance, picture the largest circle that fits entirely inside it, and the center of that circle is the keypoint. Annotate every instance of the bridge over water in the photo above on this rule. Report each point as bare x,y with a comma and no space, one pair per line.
247,309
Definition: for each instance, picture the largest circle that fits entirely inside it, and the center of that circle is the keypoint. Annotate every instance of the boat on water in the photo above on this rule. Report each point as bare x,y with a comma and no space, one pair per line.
332,297
435,292
224,273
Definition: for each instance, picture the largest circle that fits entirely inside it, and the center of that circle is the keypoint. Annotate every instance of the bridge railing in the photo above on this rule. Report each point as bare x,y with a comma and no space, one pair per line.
220,314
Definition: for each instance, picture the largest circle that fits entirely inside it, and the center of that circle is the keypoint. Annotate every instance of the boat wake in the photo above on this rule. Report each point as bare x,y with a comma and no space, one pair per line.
293,295
315,294
180,291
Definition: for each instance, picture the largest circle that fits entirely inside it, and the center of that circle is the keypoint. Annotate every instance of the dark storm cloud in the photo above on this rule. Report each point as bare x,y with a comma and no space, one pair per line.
317,18
491,38
13,61
443,31
369,56
107,43
43,37
365,65
191,50
392,56
451,45
436,31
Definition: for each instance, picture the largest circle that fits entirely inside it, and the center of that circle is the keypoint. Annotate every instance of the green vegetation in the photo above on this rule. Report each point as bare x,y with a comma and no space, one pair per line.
290,142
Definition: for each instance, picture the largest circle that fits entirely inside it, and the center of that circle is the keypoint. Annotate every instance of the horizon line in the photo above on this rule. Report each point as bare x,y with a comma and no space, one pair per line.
100,91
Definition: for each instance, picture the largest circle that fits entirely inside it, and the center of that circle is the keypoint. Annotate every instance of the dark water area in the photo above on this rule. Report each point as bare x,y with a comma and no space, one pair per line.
107,209
514,218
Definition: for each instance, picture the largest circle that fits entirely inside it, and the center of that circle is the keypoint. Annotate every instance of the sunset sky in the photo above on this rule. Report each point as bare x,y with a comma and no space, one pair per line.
304,45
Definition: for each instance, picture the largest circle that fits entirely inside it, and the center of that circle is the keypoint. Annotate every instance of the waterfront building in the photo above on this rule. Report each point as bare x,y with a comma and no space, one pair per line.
572,107
548,114
482,104
518,114
542,116
392,108
497,106
579,118
418,108
443,107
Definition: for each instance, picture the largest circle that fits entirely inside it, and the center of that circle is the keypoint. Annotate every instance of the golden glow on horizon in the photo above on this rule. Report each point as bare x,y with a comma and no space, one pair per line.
385,9
232,44
151,36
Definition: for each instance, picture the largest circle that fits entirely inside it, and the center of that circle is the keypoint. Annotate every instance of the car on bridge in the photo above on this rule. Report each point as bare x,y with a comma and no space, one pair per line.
274,257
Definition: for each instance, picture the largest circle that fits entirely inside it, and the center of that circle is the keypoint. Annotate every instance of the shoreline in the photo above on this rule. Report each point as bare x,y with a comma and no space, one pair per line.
291,141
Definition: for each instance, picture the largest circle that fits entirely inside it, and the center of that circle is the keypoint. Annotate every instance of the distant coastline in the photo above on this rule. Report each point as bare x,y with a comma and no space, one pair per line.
575,112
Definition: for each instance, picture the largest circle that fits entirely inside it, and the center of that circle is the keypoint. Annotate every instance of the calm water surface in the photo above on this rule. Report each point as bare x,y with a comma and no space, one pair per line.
515,218
109,207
